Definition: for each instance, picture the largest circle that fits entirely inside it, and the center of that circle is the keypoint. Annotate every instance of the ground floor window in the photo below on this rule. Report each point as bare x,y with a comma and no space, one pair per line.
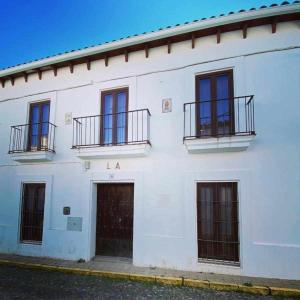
217,221
32,214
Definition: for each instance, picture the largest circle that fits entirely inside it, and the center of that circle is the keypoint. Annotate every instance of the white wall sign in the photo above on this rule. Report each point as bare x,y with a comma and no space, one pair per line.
166,105
68,118
116,166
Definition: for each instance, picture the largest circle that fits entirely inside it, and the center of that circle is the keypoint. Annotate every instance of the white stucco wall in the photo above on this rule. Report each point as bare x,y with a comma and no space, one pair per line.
265,65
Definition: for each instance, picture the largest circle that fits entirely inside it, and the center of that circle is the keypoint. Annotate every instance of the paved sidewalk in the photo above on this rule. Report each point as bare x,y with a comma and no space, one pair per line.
124,266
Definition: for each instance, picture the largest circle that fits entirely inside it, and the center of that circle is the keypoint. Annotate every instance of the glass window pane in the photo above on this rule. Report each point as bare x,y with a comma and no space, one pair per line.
45,118
206,210
223,104
45,125
204,107
225,198
108,119
121,117
34,128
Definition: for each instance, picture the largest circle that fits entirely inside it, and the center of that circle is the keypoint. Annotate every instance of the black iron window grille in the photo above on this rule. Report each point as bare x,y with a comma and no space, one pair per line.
32,214
217,222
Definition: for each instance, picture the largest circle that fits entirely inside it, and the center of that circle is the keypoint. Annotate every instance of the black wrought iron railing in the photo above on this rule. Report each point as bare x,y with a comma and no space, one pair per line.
130,127
219,118
32,137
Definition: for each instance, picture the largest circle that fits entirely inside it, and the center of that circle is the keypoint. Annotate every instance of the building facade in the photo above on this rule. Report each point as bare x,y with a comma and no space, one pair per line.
176,148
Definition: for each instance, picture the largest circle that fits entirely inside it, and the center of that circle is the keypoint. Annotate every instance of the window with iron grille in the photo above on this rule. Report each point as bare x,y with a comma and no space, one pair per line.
217,221
32,215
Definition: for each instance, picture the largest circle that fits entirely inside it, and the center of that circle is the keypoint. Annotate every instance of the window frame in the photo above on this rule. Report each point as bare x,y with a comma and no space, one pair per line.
114,93
29,143
21,239
236,229
214,119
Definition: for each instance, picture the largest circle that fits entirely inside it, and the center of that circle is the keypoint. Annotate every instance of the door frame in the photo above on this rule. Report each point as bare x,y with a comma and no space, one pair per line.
97,209
119,176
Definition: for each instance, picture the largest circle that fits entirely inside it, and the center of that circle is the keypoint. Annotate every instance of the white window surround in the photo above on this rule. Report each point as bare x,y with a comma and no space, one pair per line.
118,176
121,151
29,248
115,151
243,177
220,144
37,156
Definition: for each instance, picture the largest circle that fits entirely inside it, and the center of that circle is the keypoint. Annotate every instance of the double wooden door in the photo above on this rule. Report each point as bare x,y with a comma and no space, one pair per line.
114,230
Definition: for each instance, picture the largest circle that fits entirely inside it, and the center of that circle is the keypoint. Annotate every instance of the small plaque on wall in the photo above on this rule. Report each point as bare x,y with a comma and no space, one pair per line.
166,105
66,210
68,118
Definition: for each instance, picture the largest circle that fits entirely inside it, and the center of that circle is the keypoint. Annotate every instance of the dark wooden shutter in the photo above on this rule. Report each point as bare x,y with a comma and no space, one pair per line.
32,212
217,214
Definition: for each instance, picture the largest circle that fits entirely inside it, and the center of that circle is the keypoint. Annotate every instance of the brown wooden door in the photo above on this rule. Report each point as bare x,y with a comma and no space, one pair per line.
114,231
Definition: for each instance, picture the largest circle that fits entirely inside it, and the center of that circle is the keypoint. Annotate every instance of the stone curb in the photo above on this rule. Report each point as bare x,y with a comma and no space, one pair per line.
176,281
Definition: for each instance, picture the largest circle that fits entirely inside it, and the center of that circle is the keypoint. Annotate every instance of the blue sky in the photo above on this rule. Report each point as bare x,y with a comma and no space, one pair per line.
34,29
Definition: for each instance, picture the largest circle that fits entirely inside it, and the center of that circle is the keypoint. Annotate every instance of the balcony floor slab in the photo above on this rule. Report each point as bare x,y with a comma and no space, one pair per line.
221,144
36,156
122,151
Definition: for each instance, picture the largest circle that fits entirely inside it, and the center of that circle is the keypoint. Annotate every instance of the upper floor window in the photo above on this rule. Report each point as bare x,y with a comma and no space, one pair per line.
214,104
114,121
36,138
38,126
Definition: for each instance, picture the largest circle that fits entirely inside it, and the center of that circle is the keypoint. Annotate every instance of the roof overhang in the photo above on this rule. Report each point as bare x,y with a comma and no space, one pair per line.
153,39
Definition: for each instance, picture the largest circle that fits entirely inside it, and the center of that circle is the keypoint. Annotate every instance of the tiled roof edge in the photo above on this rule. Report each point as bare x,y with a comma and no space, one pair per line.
242,15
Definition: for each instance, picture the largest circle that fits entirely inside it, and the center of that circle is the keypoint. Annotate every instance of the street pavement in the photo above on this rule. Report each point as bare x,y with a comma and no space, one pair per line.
19,283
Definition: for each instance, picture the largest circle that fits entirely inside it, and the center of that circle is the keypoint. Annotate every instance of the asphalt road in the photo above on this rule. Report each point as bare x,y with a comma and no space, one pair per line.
18,283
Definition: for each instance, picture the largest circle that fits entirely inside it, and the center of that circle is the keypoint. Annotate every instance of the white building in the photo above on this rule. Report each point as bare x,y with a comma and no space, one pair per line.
178,148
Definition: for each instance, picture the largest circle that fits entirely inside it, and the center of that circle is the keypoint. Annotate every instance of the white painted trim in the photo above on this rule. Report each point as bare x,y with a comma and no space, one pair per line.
37,156
122,151
202,24
268,244
244,193
47,96
117,176
222,144
29,248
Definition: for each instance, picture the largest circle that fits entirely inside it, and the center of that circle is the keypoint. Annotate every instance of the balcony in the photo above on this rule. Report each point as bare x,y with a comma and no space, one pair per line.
219,125
32,142
122,134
